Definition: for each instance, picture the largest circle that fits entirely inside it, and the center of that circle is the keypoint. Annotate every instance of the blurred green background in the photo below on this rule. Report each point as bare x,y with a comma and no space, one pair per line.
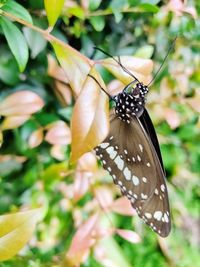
125,27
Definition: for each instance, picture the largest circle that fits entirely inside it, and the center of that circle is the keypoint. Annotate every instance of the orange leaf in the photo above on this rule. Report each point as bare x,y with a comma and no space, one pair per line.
58,134
139,67
75,65
90,119
21,103
13,122
35,138
129,235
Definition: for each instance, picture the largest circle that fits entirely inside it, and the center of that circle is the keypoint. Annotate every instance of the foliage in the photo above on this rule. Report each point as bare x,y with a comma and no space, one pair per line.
52,116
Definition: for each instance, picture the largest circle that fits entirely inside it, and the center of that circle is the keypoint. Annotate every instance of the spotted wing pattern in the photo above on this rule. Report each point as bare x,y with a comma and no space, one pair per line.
131,159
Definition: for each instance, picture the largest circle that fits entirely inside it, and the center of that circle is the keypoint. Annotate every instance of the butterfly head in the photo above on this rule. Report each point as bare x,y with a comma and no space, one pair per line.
131,103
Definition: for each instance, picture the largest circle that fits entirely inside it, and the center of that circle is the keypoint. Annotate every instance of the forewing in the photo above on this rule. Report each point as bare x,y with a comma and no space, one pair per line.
149,128
129,156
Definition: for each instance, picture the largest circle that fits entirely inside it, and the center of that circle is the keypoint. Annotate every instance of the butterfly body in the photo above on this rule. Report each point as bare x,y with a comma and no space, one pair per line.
131,154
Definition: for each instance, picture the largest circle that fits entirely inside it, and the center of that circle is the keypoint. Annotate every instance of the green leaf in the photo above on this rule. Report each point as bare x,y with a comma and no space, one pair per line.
35,41
98,23
145,51
16,9
53,9
16,42
146,7
9,71
94,4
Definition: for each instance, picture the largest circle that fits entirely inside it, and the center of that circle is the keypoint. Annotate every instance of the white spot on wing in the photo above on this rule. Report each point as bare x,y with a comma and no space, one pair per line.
112,153
162,187
156,191
135,180
148,164
144,179
127,174
158,215
166,217
148,215
104,145
141,147
138,157
143,196
119,162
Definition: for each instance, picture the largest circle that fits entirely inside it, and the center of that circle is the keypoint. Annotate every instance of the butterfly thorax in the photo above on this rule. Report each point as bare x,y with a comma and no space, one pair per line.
132,103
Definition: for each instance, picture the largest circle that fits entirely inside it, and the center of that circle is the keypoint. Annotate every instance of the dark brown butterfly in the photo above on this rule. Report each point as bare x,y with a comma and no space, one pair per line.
131,154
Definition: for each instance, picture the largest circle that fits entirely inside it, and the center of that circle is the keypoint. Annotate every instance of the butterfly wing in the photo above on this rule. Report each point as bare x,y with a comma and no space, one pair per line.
149,128
130,157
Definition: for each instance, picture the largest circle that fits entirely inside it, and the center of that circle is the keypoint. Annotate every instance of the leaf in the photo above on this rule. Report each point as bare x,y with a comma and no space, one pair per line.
90,119
35,41
55,71
15,231
98,22
140,68
58,134
128,235
144,51
16,42
75,65
53,9
16,9
12,122
21,103
172,117
122,206
147,7
36,138
82,240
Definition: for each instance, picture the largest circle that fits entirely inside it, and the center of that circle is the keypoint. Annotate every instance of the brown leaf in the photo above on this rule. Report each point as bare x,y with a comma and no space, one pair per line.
36,138
13,122
90,119
75,65
139,67
58,134
21,103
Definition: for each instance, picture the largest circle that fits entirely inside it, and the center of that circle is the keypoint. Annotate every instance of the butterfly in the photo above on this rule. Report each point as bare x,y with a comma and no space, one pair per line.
131,154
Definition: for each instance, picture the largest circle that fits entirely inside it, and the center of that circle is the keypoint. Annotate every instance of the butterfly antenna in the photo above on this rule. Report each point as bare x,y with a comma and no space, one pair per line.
118,62
167,54
101,86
